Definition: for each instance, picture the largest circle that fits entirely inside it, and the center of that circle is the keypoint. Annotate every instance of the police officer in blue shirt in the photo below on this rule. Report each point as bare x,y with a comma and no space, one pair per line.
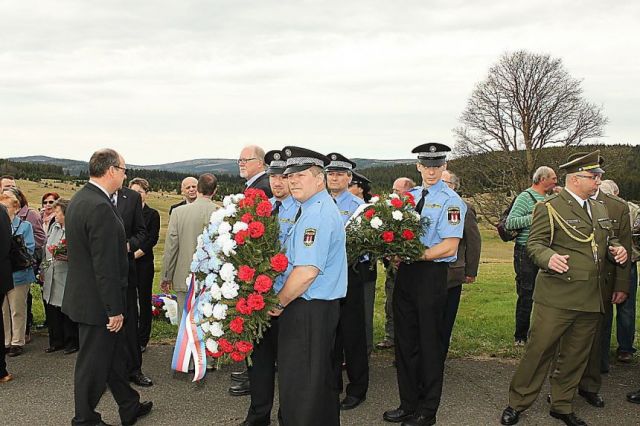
351,338
309,307
262,372
420,294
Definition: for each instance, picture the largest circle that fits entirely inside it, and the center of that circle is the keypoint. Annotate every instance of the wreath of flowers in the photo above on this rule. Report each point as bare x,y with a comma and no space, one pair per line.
158,308
389,226
235,264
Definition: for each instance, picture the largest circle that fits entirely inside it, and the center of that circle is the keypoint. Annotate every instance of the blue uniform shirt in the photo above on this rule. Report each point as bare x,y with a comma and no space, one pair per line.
286,215
318,239
347,204
442,215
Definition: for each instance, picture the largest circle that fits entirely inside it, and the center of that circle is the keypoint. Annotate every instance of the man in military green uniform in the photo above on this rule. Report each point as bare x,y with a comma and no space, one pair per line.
571,238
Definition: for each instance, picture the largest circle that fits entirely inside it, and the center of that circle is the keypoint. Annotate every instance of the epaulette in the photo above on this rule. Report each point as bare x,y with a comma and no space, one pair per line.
549,198
616,198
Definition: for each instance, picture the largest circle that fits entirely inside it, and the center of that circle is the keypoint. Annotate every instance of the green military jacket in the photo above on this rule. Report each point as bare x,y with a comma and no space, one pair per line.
617,276
580,288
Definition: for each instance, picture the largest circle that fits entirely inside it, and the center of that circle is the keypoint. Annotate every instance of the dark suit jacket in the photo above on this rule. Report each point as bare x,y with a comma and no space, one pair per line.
262,183
466,265
130,209
98,266
152,224
6,277
181,203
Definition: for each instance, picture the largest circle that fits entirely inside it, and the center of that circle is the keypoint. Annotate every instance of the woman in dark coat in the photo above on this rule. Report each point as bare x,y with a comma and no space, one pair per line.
6,282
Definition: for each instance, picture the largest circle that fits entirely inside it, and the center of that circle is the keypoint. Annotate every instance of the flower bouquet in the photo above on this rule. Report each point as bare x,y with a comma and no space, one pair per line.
234,266
387,227
58,252
159,306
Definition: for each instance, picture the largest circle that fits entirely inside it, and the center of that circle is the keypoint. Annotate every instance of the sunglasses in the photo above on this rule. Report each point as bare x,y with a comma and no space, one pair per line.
48,202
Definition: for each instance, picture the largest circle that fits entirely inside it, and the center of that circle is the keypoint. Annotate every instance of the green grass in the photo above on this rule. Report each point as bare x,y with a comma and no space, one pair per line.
485,322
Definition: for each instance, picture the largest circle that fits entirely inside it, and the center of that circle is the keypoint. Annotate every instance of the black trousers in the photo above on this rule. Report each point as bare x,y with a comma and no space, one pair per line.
262,376
62,330
419,301
145,270
351,339
101,362
453,302
526,273
3,361
306,377
130,331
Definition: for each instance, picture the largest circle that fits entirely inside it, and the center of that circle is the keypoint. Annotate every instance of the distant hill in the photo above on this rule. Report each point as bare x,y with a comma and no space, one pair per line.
197,166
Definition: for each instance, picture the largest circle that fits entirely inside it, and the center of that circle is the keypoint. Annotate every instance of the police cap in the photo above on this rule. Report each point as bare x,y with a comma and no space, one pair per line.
299,159
358,179
275,161
432,154
339,163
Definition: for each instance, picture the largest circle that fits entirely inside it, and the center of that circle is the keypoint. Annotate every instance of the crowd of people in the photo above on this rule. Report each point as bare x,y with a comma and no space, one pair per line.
574,259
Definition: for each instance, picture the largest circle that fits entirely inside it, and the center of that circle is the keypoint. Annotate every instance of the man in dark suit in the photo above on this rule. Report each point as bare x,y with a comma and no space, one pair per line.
129,205
189,190
253,169
6,282
95,294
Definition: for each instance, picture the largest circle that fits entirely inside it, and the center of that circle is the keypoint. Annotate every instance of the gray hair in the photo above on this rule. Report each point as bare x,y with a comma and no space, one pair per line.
541,173
62,203
455,180
101,160
609,187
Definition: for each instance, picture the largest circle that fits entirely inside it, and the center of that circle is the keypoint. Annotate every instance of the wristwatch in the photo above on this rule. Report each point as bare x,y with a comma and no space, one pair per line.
279,306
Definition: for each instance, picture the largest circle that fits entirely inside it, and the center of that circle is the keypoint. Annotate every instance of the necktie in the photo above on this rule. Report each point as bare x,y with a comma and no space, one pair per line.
298,214
114,199
420,205
276,208
586,208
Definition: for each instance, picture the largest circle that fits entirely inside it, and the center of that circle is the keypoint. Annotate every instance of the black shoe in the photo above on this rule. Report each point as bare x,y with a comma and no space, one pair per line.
549,398
144,408
569,419
634,397
51,349
349,402
15,351
141,380
240,389
510,416
398,415
420,420
248,423
70,350
593,398
102,423
240,376
143,348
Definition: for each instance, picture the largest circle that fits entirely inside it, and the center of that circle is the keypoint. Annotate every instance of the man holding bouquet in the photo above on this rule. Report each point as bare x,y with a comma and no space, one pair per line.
308,295
420,294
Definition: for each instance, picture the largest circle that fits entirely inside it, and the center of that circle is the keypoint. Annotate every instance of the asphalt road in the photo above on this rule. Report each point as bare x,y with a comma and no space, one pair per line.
475,393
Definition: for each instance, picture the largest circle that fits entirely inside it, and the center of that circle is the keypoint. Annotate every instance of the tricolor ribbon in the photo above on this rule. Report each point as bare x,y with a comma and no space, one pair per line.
190,342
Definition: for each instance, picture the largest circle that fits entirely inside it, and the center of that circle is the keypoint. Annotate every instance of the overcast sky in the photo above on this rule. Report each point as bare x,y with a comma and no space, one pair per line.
164,81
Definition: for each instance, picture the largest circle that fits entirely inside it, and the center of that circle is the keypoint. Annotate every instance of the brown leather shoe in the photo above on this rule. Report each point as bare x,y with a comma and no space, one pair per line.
6,378
625,357
385,344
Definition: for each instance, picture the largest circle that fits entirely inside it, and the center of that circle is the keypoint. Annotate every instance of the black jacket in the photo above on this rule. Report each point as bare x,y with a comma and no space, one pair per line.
262,183
152,224
130,209
98,265
6,277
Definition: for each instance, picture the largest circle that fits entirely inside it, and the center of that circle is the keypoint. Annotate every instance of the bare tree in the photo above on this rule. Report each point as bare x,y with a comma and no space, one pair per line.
527,102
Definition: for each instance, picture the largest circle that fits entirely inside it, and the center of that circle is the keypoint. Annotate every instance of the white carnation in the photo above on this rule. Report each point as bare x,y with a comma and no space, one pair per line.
224,228
212,345
230,210
216,292
220,311
207,309
394,195
229,289
397,215
237,197
228,247
417,215
227,201
239,226
374,200
215,328
358,220
227,272
376,222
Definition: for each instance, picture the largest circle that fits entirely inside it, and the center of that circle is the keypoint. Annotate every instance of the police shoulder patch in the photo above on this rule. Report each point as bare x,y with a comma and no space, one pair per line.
309,237
453,215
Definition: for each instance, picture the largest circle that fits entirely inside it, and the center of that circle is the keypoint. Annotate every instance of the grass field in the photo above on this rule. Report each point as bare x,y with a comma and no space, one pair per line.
484,326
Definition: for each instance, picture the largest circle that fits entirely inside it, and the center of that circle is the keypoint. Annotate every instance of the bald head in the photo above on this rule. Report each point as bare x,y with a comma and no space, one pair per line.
189,189
451,179
402,185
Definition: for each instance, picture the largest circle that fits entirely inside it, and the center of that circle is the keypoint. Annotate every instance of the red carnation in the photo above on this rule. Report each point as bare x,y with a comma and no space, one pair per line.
225,346
408,235
279,262
264,209
387,236
245,273
215,354
236,325
254,192
237,356
246,218
256,229
246,202
241,236
369,213
243,346
396,202
255,302
263,284
243,307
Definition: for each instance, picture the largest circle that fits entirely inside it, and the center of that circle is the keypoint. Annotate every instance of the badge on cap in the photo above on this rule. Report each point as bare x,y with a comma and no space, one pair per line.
287,152
276,156
453,215
334,157
309,237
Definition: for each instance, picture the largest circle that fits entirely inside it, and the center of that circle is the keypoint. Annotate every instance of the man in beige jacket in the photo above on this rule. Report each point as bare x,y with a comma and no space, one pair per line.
185,225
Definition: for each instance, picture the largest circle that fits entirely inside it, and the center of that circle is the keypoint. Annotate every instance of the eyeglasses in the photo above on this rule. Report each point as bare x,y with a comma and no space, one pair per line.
48,201
124,169
592,177
245,160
